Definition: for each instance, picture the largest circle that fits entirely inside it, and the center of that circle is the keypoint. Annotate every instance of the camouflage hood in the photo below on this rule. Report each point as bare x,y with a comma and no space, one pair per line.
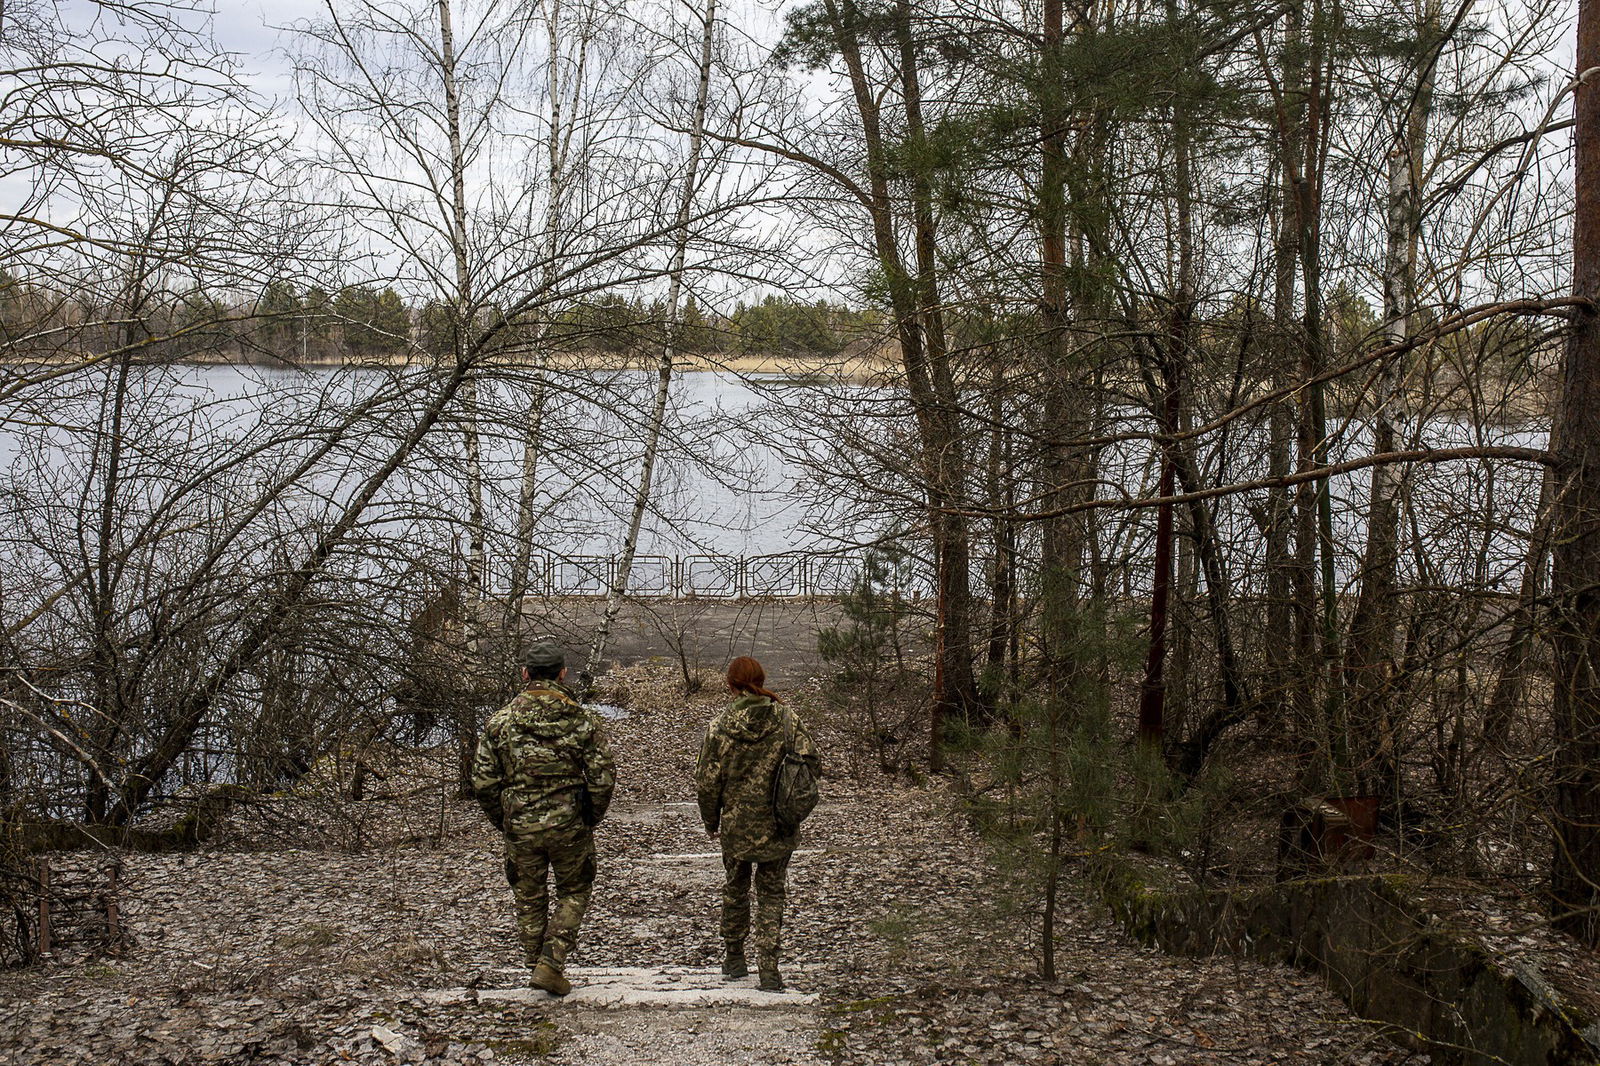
542,761
751,718
540,712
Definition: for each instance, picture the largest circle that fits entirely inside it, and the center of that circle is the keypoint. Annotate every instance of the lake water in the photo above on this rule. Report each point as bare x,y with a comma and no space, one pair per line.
736,478
722,487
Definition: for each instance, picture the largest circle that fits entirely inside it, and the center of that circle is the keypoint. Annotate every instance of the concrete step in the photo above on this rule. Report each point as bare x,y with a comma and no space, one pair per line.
693,857
630,987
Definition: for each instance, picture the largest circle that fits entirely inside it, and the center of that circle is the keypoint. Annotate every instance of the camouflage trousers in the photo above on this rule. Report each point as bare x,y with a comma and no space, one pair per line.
770,878
567,857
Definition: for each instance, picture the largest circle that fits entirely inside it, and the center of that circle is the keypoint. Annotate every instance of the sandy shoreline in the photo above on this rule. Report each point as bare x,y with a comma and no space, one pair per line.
853,365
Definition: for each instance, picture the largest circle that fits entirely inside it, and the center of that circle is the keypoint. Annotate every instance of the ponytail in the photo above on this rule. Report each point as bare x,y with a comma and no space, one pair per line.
746,675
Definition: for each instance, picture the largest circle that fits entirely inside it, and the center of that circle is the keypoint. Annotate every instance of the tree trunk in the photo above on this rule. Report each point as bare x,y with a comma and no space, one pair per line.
558,149
521,580
1068,298
1230,709
997,479
113,702
1520,642
462,312
1313,505
1286,675
957,689
1174,361
922,353
1319,114
1575,868
107,725
1370,647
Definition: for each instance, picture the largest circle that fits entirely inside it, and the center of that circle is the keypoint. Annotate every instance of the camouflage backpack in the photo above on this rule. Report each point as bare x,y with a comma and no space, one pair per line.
794,784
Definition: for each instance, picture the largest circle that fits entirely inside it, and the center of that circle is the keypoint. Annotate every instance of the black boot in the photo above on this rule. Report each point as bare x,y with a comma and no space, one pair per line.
734,965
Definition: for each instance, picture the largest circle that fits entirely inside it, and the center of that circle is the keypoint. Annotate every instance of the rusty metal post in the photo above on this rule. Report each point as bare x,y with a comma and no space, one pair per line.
44,907
113,917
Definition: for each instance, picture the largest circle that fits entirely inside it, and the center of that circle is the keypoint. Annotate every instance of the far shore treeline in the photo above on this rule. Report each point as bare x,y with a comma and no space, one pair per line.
374,323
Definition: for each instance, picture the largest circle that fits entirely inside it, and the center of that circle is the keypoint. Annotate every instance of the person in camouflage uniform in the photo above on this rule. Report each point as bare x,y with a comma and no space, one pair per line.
544,775
742,748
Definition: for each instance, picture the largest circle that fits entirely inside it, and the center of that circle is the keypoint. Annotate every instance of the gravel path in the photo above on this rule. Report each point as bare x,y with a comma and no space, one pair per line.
907,946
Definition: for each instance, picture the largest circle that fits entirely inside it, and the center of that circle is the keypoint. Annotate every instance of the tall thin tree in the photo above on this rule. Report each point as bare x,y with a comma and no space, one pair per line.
1575,867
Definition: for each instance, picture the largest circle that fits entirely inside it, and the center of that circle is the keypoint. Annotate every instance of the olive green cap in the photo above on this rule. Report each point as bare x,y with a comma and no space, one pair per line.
544,655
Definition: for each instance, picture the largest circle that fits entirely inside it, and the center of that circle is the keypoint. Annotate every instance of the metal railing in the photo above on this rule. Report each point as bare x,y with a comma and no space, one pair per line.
793,574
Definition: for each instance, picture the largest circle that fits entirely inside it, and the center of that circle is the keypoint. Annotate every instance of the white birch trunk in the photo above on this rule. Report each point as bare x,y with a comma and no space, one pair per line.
1403,228
461,321
466,726
1370,644
559,151
658,411
527,521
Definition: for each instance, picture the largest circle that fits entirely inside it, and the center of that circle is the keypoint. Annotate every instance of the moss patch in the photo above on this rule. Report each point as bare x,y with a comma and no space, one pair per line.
540,1043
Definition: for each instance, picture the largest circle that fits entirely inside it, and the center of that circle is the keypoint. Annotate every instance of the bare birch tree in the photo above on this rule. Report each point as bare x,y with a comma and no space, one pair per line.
656,418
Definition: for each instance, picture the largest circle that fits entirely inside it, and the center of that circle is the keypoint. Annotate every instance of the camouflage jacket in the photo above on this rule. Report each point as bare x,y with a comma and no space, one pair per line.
539,755
733,778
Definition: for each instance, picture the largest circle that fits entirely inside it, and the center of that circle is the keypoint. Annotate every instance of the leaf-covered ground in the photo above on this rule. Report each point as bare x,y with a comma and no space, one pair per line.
309,934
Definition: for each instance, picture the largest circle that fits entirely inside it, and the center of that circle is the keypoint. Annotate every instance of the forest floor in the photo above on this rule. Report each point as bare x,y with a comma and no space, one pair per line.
326,931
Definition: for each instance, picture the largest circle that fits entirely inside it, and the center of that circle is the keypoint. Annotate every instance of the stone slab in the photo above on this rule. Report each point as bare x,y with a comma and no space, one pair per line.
687,810
707,633
635,987
1379,947
709,856
656,814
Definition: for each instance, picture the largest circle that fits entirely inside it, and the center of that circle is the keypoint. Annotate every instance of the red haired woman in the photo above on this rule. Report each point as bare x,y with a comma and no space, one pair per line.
743,747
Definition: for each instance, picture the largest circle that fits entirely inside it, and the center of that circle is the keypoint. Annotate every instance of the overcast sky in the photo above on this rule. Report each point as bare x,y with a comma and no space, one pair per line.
254,30
257,30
